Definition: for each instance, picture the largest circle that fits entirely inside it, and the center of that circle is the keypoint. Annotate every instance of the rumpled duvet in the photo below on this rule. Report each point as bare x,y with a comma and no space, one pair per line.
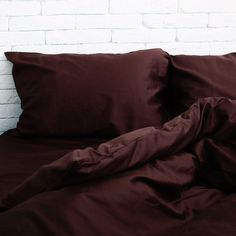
176,180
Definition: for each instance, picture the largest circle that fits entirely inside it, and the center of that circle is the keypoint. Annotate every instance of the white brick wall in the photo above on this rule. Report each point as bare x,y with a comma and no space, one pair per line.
90,26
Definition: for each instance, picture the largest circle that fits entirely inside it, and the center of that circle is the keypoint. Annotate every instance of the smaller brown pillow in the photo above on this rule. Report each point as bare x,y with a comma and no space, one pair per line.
193,77
99,95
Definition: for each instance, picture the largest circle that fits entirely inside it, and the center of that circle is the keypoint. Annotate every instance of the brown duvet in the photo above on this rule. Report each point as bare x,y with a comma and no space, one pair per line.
178,180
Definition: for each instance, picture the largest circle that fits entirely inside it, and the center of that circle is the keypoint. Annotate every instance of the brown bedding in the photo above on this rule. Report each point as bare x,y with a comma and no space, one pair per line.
20,157
62,95
178,180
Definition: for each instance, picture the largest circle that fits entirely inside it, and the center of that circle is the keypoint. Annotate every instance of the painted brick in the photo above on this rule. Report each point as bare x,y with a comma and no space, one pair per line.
143,35
109,21
182,48
19,8
207,35
32,23
9,96
143,6
175,20
222,20
21,38
6,124
74,7
5,68
2,50
78,36
51,49
109,47
3,23
10,110
6,82
207,6
218,48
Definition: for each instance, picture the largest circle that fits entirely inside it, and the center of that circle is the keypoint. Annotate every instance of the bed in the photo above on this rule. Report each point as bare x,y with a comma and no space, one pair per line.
153,155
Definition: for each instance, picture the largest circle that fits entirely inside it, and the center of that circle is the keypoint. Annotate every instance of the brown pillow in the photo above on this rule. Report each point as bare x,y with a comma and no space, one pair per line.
193,77
99,95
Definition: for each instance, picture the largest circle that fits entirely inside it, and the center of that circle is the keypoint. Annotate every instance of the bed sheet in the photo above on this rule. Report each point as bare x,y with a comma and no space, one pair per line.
20,157
177,180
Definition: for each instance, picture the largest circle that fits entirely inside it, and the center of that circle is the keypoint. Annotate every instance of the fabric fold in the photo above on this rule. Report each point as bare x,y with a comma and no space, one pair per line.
209,118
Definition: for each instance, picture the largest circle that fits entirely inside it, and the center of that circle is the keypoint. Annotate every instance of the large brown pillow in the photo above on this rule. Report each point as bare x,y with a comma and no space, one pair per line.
193,77
99,95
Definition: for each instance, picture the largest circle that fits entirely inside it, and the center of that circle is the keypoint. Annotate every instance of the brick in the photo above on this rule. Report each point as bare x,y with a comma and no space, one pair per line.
74,7
51,49
109,48
9,96
21,38
19,8
182,48
2,50
206,35
6,82
143,6
6,124
32,23
220,48
175,20
5,68
78,36
143,35
10,110
109,21
207,6
222,20
3,23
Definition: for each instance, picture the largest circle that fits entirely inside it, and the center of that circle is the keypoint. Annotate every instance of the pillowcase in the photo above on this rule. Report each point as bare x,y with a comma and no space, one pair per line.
98,95
193,77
